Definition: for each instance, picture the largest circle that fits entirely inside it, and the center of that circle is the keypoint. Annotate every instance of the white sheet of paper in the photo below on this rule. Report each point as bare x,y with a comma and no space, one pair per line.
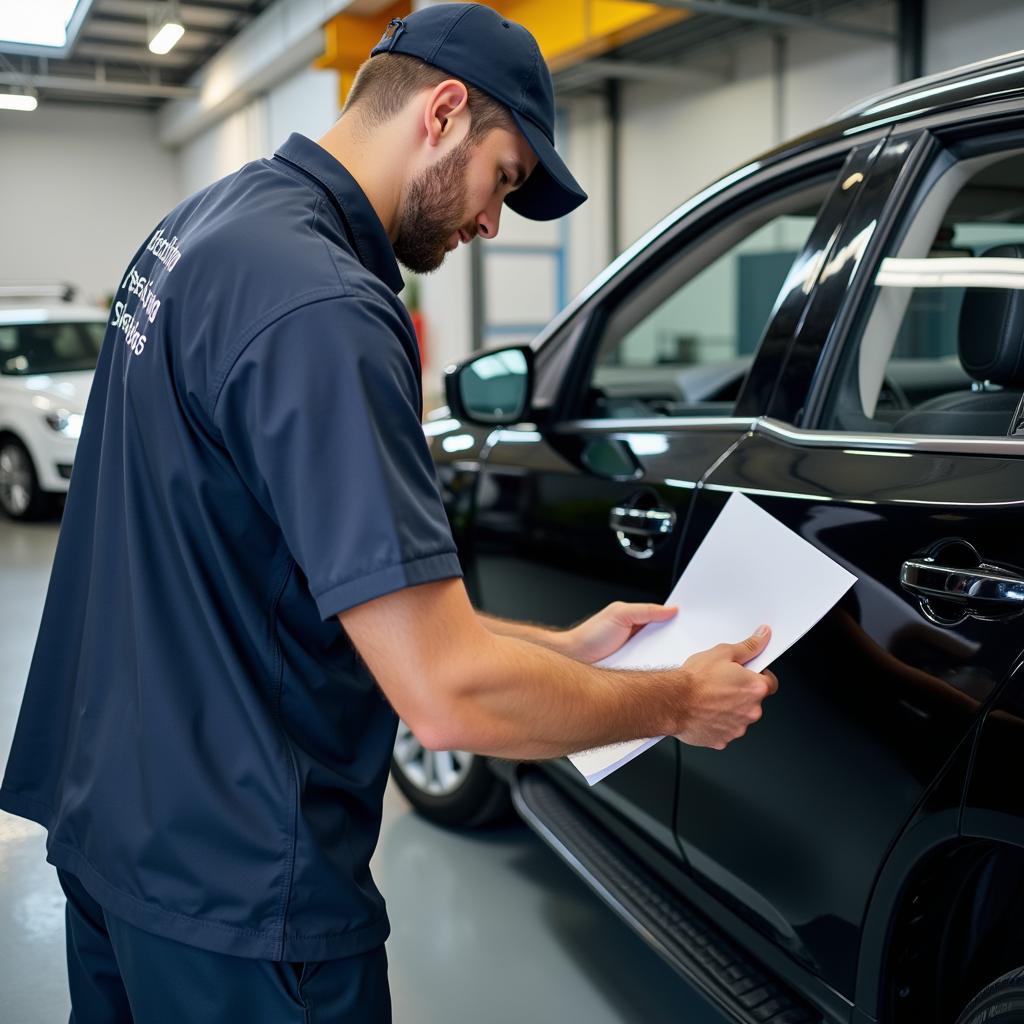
749,569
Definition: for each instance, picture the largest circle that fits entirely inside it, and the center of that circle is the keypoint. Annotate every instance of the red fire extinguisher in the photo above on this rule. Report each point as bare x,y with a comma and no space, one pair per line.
419,325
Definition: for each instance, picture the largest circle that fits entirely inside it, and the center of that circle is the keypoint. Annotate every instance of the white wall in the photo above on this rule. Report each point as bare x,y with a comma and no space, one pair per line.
586,151
677,140
958,32
674,140
80,189
219,150
307,102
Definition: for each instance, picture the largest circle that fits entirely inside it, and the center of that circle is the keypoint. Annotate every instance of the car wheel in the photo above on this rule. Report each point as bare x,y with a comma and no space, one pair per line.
450,787
1001,1002
20,495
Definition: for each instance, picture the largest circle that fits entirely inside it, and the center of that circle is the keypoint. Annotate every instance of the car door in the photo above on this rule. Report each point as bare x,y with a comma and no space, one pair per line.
884,450
586,506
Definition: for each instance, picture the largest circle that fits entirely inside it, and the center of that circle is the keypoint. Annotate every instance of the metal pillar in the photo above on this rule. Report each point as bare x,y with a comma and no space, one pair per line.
910,39
613,100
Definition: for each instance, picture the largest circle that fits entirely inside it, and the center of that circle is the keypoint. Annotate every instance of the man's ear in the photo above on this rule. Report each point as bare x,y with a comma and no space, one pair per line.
446,102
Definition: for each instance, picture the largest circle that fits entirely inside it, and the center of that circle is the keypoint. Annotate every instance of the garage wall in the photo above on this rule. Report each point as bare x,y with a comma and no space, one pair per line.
307,102
779,86
675,142
80,188
957,32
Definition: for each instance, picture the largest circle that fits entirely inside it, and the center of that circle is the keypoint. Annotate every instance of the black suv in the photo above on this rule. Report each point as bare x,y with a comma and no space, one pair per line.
835,330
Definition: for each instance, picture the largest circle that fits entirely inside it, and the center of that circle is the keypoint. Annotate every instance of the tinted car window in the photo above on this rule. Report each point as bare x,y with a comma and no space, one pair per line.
939,340
49,347
682,341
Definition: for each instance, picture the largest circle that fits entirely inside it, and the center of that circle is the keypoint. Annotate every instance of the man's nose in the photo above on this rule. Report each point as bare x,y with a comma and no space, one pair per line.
488,220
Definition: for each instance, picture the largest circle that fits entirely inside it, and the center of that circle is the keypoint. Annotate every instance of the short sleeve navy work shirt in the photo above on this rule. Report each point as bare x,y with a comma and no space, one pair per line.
198,734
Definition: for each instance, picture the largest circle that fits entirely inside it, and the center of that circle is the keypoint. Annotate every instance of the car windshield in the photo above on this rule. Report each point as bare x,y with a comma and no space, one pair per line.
49,347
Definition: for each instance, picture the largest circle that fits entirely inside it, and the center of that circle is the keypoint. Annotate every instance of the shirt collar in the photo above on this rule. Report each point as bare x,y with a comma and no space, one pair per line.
369,239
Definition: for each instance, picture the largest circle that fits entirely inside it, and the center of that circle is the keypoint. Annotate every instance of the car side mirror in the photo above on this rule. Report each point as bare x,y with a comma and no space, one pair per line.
493,388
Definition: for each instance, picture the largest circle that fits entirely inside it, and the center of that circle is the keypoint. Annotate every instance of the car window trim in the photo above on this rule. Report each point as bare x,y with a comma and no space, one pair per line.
805,436
902,443
653,424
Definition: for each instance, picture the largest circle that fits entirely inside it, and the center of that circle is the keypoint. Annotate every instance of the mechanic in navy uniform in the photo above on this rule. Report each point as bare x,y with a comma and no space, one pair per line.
255,571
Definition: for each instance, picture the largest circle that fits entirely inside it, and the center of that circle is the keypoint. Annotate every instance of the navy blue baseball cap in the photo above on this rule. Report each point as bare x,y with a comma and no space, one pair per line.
477,45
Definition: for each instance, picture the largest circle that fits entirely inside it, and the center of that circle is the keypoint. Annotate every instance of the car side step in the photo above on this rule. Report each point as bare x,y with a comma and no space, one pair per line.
691,943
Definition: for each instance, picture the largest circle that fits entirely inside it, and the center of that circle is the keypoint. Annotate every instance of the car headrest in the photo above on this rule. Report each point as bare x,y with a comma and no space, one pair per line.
992,329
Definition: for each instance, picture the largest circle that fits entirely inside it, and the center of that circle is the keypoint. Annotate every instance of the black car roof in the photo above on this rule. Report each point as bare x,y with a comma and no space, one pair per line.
996,77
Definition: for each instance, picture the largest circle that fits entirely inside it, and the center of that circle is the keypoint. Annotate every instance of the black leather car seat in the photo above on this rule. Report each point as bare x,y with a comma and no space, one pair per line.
991,349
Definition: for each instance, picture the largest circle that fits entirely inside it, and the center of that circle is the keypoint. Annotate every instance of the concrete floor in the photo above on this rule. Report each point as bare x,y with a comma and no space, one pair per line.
486,926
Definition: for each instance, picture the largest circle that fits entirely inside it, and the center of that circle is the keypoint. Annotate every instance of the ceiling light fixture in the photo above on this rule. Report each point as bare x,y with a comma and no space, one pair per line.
18,100
167,30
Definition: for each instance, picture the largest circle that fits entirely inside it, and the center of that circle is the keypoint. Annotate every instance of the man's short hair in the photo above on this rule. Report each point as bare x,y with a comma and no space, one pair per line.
385,83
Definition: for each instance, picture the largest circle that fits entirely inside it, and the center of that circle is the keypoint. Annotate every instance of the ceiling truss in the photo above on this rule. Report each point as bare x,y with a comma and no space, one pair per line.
110,61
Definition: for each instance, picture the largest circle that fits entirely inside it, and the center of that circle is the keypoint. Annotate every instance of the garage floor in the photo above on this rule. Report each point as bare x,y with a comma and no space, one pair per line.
485,926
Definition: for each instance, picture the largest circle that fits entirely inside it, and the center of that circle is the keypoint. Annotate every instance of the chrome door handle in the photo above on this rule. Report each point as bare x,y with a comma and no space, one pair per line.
651,522
639,529
949,594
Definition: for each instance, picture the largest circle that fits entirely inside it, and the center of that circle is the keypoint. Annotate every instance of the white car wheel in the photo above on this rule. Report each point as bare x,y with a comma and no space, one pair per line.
19,489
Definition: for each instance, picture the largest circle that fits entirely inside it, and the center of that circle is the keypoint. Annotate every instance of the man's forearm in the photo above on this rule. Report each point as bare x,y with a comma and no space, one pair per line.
553,639
459,685
521,700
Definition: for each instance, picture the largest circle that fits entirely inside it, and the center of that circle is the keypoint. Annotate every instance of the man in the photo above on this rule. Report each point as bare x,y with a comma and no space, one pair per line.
255,568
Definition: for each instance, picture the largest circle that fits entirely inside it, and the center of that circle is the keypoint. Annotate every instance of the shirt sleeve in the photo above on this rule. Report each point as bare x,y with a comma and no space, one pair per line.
321,416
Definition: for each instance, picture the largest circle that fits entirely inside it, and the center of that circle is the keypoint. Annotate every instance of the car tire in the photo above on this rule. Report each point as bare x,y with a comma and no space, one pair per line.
21,497
1001,1002
448,787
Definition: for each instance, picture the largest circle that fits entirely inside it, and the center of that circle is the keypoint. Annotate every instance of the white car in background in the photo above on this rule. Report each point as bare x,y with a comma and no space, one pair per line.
48,352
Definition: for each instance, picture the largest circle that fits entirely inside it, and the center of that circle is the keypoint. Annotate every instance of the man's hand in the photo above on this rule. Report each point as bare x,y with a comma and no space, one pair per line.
726,698
461,685
604,633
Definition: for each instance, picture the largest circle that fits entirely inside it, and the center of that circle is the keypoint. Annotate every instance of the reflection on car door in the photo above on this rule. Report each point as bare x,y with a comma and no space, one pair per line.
790,824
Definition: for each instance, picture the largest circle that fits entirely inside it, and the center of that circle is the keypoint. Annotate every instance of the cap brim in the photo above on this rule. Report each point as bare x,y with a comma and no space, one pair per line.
550,191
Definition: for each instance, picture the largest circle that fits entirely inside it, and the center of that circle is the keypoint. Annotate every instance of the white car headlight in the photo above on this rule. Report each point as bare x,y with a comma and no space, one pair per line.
69,424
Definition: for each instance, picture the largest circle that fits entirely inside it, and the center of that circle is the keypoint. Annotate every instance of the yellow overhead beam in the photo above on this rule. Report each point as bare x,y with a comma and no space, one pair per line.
349,38
567,31
570,31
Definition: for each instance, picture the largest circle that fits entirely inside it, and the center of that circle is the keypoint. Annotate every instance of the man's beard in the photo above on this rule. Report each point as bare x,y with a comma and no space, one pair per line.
432,212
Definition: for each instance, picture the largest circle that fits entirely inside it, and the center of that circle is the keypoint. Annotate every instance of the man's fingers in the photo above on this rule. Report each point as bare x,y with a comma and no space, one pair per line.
752,646
772,681
641,613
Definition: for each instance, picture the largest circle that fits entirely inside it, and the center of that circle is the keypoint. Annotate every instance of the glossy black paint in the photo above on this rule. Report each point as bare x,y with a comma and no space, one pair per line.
889,760
907,910
792,824
994,806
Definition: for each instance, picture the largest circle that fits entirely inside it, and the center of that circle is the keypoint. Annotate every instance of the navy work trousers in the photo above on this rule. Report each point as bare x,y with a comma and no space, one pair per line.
119,974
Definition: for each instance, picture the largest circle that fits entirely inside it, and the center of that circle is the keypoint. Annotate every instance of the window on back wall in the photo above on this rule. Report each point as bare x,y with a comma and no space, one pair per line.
939,342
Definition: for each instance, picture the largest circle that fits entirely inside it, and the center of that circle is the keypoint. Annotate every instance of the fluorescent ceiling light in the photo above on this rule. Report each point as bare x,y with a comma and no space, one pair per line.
169,30
37,22
17,101
167,35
